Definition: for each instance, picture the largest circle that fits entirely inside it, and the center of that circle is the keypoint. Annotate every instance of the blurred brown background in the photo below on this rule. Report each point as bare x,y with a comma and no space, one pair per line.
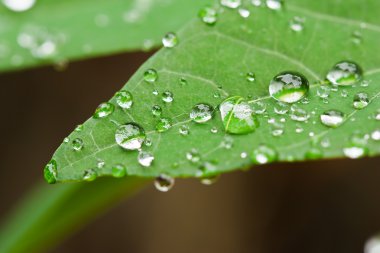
329,206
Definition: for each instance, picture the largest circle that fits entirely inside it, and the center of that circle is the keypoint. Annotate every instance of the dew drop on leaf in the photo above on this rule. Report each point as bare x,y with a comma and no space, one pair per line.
281,108
264,154
104,110
156,110
66,140
79,128
193,156
150,75
51,172
210,180
256,3
77,144
118,171
323,91
355,152
167,96
231,3
164,183
130,136
345,73
184,130
244,13
208,15
19,5
145,158
124,99
289,87
100,164
89,175
214,130
183,81
274,4
332,118
375,135
238,116
170,40
361,100
201,113
297,24
163,125
251,77
298,114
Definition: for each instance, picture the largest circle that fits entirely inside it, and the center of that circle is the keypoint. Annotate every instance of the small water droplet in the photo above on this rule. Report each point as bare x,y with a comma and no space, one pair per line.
19,5
298,114
377,115
150,75
164,183
208,15
66,140
145,158
299,129
354,152
156,110
89,175
375,135
361,100
297,24
163,125
51,172
148,142
79,128
237,116
325,143
264,154
170,40
345,73
365,83
231,3
193,156
274,4
251,77
244,13
289,87
214,130
281,108
344,93
182,81
243,155
277,129
104,110
323,91
77,144
227,142
119,171
167,96
124,99
155,92
201,113
209,180
100,164
332,118
259,107
130,136
216,94
184,130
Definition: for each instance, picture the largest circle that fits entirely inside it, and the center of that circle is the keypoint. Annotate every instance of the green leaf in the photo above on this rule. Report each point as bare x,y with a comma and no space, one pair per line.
211,63
69,30
49,213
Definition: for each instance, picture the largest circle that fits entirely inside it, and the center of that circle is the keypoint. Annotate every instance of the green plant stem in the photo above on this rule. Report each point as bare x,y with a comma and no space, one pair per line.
51,212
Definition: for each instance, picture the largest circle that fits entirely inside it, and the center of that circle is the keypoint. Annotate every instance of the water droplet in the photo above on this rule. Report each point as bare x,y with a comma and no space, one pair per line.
298,114
256,3
201,113
274,4
289,87
251,77
89,175
323,91
325,143
356,37
344,93
244,13
77,144
156,110
264,154
167,97
145,158
237,116
182,81
104,110
148,142
79,128
193,156
155,92
377,115
297,24
243,155
51,172
130,136
231,3
209,180
66,140
227,142
170,40
118,171
345,73
100,164
208,15
124,99
365,83
375,135
332,118
277,129
184,130
164,183
259,107
361,100
281,108
150,75
163,125
299,129
214,130
372,245
19,5
354,152
314,153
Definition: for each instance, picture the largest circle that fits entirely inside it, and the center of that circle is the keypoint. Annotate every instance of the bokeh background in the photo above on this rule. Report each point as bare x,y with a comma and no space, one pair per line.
316,207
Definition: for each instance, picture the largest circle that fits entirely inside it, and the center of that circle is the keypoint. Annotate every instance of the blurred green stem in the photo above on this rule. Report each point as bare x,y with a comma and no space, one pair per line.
49,213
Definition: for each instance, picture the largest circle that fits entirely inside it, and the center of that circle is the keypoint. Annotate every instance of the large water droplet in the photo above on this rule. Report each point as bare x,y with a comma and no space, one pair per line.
201,113
124,99
361,100
145,158
150,75
51,172
345,73
332,118
264,154
163,124
274,4
237,116
104,110
208,15
355,152
118,171
289,87
167,96
19,5
89,175
170,40
130,136
77,144
164,183
231,3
